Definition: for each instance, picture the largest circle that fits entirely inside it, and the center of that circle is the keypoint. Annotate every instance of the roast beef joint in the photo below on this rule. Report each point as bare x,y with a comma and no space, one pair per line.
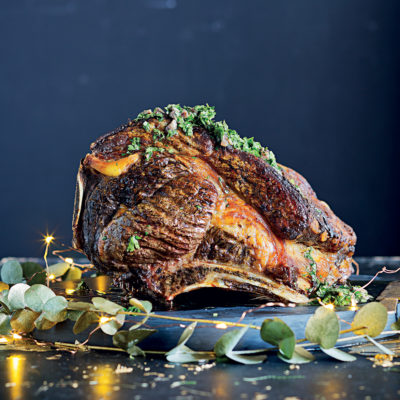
174,201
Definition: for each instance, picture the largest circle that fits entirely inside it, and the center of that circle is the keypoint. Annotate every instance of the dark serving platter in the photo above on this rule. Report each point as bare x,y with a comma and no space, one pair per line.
222,305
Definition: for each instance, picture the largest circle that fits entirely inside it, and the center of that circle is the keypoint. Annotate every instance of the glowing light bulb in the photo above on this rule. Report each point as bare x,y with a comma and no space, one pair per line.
221,326
3,340
48,239
69,291
353,304
51,277
69,260
104,320
16,336
330,306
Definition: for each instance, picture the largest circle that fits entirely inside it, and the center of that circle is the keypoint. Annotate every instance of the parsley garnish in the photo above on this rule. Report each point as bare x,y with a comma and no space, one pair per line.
203,115
135,144
133,244
157,135
146,126
150,150
198,207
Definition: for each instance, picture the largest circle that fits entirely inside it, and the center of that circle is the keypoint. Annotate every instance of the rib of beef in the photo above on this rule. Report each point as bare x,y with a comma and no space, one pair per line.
174,201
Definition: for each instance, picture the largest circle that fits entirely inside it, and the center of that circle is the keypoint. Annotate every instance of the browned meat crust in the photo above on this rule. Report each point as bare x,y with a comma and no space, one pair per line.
171,202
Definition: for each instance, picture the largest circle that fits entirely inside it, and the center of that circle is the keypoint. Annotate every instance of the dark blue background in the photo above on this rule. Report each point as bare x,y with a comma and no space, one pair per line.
316,81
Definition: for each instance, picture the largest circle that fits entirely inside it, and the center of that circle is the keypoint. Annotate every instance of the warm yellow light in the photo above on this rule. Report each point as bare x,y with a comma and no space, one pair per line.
69,260
48,239
69,291
15,368
3,340
51,277
330,306
104,320
221,326
16,336
353,304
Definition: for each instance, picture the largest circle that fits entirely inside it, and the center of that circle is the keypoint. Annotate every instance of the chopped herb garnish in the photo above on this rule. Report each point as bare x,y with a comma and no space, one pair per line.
135,144
199,207
133,243
150,150
158,135
104,237
187,118
146,233
146,126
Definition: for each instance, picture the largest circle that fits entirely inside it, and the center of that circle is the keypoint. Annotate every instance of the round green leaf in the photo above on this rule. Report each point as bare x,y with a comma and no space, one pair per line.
16,296
187,333
246,358
5,326
11,272
23,320
106,306
33,272
59,269
395,326
277,333
187,355
323,328
43,324
55,309
372,317
300,356
80,306
338,354
128,339
86,319
111,327
228,341
74,274
36,297
142,305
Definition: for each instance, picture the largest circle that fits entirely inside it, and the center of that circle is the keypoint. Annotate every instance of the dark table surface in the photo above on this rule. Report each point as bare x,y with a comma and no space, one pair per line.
110,375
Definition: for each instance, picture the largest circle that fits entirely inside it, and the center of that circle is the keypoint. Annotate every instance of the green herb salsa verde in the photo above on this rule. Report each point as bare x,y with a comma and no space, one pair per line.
186,118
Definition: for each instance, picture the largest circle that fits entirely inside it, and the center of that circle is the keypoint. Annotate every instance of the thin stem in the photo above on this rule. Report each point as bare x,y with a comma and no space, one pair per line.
204,321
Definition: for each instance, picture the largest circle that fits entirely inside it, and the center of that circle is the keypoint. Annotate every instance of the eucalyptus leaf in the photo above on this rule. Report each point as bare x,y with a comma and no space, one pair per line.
33,272
373,317
106,306
4,286
74,274
59,269
55,309
5,326
323,328
135,351
380,346
4,302
277,333
142,305
128,339
246,358
23,320
395,326
187,333
187,355
300,356
140,323
86,319
80,306
111,327
16,296
339,354
43,324
11,272
36,297
73,315
228,341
